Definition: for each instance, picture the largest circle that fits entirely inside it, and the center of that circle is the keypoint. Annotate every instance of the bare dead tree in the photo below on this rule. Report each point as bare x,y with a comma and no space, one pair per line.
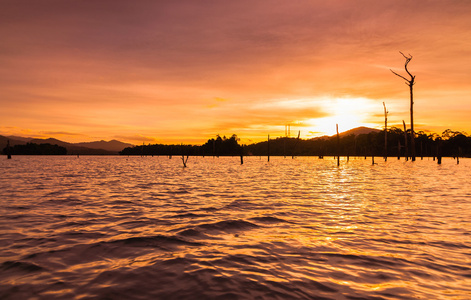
184,160
410,82
406,153
385,132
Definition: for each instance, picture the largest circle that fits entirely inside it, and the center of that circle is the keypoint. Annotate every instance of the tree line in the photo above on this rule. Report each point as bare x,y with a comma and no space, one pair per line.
449,143
220,146
35,149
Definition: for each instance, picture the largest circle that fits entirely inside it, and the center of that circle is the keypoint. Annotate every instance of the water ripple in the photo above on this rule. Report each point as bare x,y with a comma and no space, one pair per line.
146,228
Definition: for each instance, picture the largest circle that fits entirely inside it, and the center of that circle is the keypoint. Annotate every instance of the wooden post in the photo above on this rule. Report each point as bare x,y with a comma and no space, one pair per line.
421,150
385,132
406,153
399,149
184,160
214,148
8,150
268,148
241,155
355,146
439,154
284,140
295,144
338,145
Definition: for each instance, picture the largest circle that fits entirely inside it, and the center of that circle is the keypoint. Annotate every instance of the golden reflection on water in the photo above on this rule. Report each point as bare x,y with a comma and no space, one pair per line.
395,229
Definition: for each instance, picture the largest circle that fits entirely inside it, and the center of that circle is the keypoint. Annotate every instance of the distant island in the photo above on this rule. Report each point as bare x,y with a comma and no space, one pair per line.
361,141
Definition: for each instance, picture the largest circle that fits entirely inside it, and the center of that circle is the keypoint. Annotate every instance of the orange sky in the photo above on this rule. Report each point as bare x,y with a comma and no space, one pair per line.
184,71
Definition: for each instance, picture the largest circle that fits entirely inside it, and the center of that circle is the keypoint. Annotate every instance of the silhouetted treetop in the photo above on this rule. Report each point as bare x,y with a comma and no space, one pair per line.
452,143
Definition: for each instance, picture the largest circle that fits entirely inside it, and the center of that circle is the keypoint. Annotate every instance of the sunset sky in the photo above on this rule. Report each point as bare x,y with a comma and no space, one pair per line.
183,71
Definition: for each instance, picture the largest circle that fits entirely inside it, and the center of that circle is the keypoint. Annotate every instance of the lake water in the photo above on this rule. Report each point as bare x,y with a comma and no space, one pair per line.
116,227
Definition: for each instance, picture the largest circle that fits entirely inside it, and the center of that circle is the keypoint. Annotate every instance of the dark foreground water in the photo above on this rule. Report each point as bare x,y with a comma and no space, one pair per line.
146,228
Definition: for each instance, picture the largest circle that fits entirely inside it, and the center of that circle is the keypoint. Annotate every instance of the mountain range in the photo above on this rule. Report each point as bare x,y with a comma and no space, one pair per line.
114,146
90,148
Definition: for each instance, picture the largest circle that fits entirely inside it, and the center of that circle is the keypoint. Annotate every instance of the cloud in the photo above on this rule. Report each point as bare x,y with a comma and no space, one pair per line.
136,138
61,133
236,118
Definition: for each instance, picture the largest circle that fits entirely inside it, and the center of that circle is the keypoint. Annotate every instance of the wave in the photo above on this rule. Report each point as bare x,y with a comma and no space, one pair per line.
230,225
269,220
188,215
20,266
131,247
158,241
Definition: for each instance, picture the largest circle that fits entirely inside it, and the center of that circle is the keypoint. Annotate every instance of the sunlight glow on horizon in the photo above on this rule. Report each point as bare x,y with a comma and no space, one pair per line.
348,113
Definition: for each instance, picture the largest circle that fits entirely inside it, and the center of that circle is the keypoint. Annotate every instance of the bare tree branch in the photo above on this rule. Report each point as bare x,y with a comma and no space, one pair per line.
408,59
399,75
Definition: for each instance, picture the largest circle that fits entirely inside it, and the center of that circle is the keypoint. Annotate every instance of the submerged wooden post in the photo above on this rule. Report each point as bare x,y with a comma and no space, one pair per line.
183,156
385,132
214,147
338,145
268,148
241,155
439,154
8,150
399,149
421,150
184,160
284,147
295,144
406,153
355,146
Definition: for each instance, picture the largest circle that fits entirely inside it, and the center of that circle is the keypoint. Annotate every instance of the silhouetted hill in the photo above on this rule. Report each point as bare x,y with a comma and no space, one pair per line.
355,131
73,149
112,145
358,131
50,141
4,140
87,148
20,138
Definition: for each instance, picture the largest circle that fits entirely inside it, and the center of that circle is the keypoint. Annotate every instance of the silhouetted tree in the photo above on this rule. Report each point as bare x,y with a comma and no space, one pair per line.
37,149
453,143
385,132
410,82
